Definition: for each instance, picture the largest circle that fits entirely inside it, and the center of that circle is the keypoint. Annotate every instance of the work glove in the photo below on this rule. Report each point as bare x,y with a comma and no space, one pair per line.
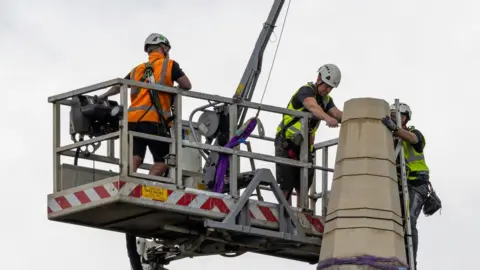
389,123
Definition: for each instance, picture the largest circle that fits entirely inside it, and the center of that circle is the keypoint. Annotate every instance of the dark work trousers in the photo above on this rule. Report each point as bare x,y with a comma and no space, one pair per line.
418,193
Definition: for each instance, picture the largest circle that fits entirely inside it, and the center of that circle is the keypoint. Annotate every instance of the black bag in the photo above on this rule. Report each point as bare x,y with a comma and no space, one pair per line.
433,202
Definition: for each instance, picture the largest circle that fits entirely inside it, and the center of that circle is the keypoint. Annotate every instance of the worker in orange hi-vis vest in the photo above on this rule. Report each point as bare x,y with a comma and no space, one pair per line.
150,111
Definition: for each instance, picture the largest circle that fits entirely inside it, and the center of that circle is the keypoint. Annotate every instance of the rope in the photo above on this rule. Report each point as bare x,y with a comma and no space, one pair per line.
274,56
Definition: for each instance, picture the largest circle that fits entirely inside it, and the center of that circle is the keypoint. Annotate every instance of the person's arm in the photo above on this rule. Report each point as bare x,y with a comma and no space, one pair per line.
114,90
179,76
410,137
420,144
415,138
311,104
333,111
306,96
406,135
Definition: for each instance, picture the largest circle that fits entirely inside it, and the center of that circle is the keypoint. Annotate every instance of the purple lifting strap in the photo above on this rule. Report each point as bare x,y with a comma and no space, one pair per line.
223,161
372,261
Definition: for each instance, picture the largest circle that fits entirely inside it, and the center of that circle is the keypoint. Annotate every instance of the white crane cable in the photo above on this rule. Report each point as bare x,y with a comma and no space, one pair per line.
274,55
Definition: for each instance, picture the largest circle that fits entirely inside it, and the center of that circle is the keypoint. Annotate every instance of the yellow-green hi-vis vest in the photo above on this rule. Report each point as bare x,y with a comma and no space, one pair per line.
414,161
294,129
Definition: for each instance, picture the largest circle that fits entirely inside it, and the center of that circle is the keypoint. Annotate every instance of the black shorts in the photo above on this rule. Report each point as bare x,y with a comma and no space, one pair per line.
289,176
158,149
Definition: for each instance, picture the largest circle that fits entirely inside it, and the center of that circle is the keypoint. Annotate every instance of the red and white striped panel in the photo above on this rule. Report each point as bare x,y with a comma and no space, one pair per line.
201,201
84,196
223,205
265,213
314,221
182,198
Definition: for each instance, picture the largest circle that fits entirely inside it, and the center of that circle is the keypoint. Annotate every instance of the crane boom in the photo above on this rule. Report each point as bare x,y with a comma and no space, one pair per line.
250,76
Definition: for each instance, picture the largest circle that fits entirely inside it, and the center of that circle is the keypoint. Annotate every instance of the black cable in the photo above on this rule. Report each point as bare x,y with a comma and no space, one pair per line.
135,260
77,152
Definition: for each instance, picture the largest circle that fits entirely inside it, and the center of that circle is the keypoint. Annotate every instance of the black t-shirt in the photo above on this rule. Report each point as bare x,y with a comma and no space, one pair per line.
421,141
306,92
420,145
177,72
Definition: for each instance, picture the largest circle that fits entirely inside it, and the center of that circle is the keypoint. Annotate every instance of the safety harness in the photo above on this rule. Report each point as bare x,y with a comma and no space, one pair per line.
148,74
285,143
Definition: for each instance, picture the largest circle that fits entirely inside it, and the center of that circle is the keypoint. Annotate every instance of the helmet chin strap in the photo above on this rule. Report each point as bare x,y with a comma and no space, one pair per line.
165,50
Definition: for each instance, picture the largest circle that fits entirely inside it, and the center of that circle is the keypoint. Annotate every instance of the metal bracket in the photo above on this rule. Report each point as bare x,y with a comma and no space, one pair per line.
238,220
170,160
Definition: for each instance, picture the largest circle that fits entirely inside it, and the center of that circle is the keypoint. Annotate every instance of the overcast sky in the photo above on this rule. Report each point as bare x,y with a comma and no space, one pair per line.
423,52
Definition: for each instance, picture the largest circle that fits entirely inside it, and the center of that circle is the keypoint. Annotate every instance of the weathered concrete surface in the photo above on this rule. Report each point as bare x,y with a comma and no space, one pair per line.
364,216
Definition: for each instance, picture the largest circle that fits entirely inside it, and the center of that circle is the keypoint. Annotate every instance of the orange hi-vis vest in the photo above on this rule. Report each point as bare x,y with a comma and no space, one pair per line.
141,108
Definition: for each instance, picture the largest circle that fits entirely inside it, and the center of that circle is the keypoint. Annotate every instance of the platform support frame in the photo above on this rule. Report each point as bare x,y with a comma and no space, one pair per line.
125,136
239,220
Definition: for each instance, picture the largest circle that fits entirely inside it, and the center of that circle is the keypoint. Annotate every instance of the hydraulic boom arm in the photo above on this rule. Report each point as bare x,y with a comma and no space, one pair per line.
214,125
252,72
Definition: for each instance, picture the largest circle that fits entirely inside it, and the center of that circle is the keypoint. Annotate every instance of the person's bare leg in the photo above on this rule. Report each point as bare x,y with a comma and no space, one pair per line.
137,161
285,193
158,169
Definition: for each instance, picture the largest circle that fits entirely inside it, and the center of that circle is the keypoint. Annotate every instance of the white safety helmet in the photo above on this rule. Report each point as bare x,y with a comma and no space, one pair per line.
156,39
404,109
330,74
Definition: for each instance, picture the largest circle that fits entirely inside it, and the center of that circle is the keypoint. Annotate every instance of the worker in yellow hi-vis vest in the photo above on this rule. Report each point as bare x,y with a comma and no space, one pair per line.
312,97
418,177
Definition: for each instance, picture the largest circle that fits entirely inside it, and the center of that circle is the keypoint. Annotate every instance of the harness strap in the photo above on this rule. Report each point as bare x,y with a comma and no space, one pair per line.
148,74
287,126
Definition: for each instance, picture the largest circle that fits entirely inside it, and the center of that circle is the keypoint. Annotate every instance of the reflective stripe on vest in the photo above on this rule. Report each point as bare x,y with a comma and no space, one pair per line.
142,108
295,129
414,161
